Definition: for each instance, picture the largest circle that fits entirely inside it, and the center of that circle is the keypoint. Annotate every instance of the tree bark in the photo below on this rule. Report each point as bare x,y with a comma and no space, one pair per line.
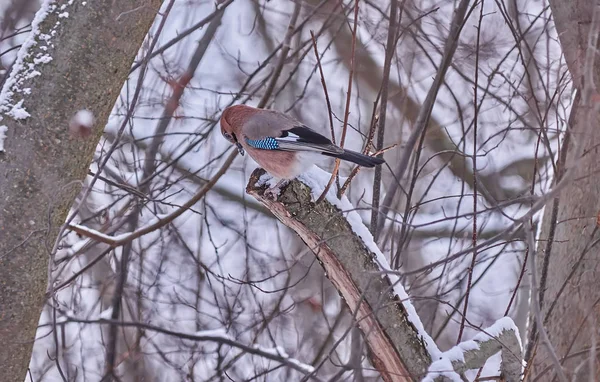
395,347
92,48
569,252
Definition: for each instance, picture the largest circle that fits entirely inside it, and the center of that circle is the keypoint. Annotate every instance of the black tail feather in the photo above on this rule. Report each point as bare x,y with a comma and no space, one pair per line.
359,159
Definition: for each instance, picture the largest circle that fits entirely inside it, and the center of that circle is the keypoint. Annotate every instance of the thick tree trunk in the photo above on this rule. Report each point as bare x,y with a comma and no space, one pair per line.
571,294
92,48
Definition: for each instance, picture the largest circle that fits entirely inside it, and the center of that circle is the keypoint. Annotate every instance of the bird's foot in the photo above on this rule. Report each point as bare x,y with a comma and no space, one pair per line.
273,192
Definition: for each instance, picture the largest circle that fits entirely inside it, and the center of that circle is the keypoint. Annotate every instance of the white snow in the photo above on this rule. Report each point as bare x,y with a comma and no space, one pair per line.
276,351
92,232
18,111
63,15
441,368
279,351
307,368
106,314
3,130
505,323
22,71
316,179
84,118
457,353
42,59
18,69
221,332
32,74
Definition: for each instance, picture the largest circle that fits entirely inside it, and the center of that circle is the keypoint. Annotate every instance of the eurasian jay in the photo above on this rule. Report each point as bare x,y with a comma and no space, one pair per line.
282,146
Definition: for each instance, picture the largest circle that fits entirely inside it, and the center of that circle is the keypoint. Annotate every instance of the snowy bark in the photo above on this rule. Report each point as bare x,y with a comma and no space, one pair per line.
92,46
395,348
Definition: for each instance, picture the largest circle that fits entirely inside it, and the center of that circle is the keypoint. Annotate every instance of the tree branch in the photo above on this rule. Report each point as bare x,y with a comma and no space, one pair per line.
396,349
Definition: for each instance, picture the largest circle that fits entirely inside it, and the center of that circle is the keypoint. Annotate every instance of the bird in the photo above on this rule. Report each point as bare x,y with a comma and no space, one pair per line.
281,145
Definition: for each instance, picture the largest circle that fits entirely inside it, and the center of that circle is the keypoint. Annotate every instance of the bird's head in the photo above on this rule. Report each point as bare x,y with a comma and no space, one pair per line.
232,120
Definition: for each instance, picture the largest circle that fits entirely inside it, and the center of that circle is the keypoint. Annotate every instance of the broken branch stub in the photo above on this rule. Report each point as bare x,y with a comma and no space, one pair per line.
395,347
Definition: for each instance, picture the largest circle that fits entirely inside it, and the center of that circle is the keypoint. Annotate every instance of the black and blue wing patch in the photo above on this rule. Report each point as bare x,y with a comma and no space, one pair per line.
267,143
307,135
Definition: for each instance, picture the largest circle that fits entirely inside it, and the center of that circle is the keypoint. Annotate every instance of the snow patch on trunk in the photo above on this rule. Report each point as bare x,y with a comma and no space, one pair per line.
24,68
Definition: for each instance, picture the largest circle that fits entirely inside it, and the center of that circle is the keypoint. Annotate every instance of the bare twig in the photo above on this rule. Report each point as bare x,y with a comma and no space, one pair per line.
116,241
427,107
180,36
474,158
147,171
271,354
390,51
336,168
282,58
314,41
368,143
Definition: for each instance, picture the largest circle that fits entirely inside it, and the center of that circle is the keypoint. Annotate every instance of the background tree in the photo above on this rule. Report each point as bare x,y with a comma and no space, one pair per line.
42,163
567,265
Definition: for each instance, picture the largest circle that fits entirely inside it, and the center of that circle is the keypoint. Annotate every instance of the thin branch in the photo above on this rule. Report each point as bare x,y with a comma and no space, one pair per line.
368,143
324,84
272,354
336,168
282,58
390,51
116,241
217,13
474,158
425,111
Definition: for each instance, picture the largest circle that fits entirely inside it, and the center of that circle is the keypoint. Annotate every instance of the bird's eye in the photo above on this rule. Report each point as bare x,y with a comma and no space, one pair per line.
228,137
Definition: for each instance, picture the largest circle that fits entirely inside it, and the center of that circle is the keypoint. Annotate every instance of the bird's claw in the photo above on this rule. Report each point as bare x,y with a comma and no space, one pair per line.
240,148
273,192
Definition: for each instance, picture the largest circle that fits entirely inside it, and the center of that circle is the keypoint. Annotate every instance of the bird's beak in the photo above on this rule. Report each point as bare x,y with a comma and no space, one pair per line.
240,148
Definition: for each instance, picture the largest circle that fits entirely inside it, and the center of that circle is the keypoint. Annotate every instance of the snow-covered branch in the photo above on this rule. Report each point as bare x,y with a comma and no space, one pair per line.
468,355
400,347
277,353
345,248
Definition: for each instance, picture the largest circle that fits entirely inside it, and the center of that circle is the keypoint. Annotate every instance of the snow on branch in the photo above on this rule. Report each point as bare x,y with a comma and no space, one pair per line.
399,347
502,336
219,336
